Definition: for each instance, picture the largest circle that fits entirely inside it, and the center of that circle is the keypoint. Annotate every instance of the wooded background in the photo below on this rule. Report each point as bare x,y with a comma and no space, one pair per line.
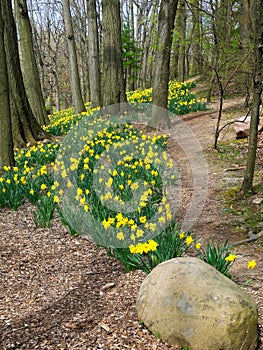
55,54
210,38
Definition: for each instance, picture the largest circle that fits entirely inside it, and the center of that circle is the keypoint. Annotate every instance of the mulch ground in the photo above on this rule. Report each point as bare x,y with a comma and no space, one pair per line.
63,292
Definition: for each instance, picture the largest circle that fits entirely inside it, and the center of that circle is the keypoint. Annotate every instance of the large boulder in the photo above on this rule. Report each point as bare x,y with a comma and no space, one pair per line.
186,302
242,126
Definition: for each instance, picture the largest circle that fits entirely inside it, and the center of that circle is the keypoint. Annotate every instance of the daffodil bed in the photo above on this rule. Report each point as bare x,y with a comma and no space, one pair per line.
59,291
180,98
64,178
180,101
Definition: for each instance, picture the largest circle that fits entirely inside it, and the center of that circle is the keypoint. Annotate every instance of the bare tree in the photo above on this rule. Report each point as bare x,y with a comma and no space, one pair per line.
73,64
29,66
147,36
182,40
246,28
113,79
162,62
94,55
25,127
79,11
247,184
197,60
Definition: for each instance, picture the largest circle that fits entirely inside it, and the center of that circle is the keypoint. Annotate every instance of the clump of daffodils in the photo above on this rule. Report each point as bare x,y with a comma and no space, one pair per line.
220,256
146,247
180,98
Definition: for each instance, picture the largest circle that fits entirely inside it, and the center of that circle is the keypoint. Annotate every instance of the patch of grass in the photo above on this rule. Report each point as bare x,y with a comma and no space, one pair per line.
232,194
244,208
234,152
248,282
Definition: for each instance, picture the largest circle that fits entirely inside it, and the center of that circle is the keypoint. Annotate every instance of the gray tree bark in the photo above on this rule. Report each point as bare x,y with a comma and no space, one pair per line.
247,184
113,79
25,127
29,66
162,62
245,23
6,139
94,55
72,60
182,44
197,61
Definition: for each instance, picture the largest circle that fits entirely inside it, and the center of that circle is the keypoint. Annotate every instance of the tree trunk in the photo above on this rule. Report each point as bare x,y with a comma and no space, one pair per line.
131,78
162,62
152,34
80,6
57,92
72,60
174,57
94,55
113,79
143,28
197,63
25,127
6,140
214,59
245,23
29,66
146,62
182,44
247,184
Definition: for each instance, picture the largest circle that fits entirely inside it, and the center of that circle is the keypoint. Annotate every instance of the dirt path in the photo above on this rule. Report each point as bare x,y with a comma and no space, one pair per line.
215,220
58,292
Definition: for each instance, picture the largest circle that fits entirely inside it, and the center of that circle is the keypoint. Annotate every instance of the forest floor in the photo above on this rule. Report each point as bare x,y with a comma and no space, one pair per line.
62,292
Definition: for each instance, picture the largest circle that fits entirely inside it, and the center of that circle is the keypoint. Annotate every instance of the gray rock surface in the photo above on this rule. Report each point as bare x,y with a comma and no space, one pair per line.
186,302
243,124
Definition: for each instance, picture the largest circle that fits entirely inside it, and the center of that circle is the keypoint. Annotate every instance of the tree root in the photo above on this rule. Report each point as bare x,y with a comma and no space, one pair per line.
251,237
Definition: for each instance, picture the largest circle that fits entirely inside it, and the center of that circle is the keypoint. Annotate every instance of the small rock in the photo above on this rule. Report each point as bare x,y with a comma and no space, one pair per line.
107,286
257,201
63,345
104,326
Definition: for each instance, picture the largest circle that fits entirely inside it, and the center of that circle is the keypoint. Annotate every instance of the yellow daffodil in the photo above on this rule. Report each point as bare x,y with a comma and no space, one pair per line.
56,199
142,219
198,246
189,240
182,235
252,264
106,224
120,236
231,257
